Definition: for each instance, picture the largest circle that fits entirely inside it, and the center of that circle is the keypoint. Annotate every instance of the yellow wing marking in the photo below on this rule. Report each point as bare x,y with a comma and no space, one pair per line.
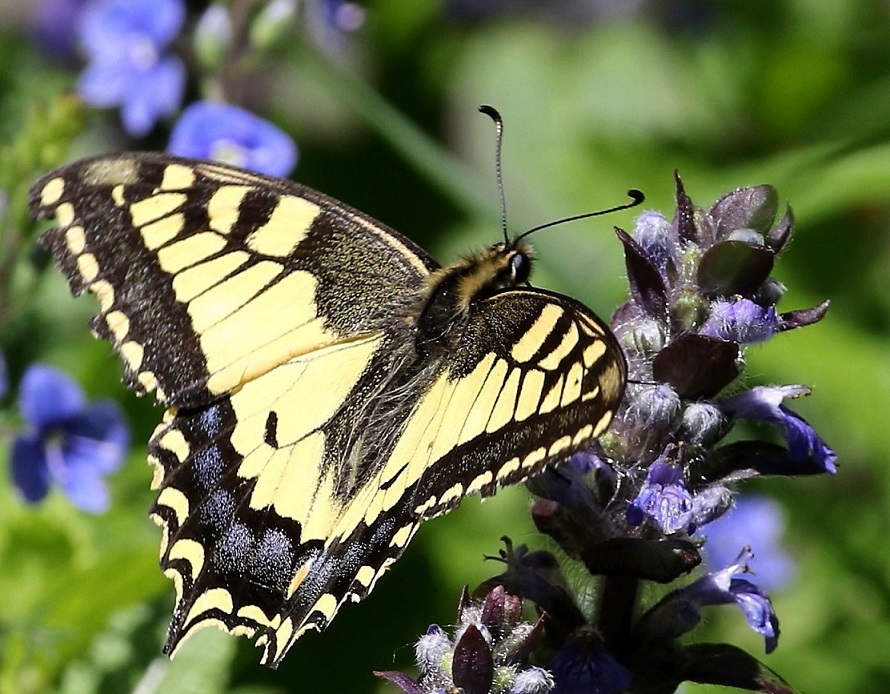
594,352
290,476
223,207
190,550
52,191
573,384
527,347
158,233
76,239
504,408
554,360
177,177
133,353
288,224
189,251
155,206
88,267
197,279
175,500
65,214
530,394
488,379
213,599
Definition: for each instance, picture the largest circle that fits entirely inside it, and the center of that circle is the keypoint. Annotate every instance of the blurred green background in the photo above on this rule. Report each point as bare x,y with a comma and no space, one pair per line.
598,97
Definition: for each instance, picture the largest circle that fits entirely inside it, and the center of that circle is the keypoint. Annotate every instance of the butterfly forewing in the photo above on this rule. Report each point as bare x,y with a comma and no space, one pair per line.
309,430
208,276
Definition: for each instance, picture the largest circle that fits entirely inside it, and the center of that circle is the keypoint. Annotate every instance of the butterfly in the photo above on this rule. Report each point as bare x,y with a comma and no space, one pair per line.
328,386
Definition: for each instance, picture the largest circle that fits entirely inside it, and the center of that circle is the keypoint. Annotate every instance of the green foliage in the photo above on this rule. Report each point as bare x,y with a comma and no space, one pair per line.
788,93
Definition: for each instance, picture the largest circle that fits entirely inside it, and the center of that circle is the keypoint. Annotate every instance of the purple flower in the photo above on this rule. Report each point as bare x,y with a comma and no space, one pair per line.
124,41
53,23
4,376
582,665
741,320
722,587
566,483
653,232
757,521
222,132
765,403
663,499
69,443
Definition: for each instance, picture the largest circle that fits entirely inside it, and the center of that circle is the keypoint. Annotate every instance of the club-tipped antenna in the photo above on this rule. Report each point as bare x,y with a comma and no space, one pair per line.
492,113
636,198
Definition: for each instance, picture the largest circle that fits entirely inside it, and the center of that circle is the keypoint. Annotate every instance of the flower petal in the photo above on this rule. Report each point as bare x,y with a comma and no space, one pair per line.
741,320
663,499
83,481
48,396
582,665
30,472
152,94
208,130
98,440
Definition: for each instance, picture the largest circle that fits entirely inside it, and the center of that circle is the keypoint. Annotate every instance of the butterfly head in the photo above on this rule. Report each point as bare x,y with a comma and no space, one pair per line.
503,266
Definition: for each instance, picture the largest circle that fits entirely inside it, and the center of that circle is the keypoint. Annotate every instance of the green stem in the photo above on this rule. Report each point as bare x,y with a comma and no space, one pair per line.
445,171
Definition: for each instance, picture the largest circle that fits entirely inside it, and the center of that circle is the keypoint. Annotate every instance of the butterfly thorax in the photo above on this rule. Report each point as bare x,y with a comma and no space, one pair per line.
452,291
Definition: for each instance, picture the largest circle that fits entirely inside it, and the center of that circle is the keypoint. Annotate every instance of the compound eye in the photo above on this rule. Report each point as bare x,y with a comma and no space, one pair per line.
520,267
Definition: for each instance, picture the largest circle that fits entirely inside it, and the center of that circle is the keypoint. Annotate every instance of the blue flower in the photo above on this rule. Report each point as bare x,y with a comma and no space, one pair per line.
222,132
653,232
70,443
722,587
582,665
765,403
757,521
741,320
52,25
4,376
664,499
566,484
124,41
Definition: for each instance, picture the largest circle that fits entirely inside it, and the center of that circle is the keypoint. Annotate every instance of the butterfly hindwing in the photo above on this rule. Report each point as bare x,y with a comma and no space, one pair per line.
536,378
328,386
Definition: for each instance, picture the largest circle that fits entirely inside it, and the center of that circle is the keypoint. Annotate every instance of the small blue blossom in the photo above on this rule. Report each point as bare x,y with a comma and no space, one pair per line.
344,16
757,521
765,403
4,376
124,41
722,587
226,133
741,320
69,443
664,499
331,21
52,25
582,665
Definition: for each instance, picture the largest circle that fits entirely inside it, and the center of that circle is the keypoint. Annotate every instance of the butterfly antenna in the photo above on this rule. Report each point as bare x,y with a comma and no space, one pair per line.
635,196
492,113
